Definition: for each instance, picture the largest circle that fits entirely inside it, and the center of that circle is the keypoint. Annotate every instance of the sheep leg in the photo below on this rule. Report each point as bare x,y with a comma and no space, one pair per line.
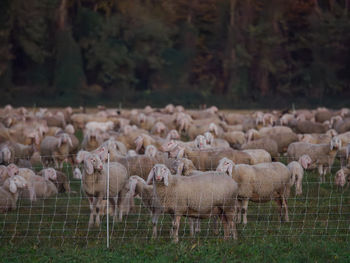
239,211
176,226
155,217
226,224
285,208
280,206
115,218
244,210
98,211
198,226
92,211
320,172
191,227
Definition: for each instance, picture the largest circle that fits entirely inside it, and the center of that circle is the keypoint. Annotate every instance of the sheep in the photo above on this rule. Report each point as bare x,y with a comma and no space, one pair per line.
148,199
205,159
94,183
91,141
58,178
56,149
38,187
309,127
234,138
258,156
264,143
297,171
342,177
151,151
9,192
344,155
214,142
99,126
259,183
322,155
198,196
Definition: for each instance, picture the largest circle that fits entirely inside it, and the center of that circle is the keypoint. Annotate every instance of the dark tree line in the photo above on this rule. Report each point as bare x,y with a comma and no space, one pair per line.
76,51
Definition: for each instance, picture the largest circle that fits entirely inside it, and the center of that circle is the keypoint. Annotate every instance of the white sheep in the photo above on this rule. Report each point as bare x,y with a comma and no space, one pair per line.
198,196
95,182
259,183
9,192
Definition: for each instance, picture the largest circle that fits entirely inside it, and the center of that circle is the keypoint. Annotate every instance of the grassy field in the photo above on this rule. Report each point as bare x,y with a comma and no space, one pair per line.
55,230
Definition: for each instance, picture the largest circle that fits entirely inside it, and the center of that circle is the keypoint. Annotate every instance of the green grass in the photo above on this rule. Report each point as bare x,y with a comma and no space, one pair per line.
55,230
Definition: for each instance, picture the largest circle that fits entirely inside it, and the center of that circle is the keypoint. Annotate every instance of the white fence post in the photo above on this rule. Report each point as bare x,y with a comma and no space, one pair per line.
108,201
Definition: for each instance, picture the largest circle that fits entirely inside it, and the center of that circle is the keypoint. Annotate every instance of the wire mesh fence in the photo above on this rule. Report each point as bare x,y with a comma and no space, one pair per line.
322,210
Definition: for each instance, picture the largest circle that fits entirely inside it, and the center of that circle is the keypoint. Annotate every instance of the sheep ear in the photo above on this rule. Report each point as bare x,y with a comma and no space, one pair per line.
132,186
150,176
13,187
230,169
166,177
88,166
180,168
303,162
70,141
139,143
180,153
216,130
59,142
103,155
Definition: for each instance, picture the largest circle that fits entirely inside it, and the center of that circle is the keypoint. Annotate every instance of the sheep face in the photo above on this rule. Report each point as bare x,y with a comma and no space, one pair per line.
168,146
65,139
340,178
178,166
160,127
214,128
81,156
200,142
50,174
226,166
159,173
209,138
305,161
12,170
335,143
69,129
92,163
6,155
17,182
174,135
151,151
77,174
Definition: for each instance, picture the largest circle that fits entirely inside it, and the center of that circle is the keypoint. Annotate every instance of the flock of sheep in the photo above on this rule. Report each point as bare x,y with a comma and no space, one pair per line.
223,161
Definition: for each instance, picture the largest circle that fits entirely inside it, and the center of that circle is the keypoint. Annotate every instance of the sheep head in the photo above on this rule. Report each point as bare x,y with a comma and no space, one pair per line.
335,143
6,155
209,138
305,161
50,174
340,178
159,173
225,165
64,138
173,135
12,170
139,143
17,182
151,151
201,142
91,163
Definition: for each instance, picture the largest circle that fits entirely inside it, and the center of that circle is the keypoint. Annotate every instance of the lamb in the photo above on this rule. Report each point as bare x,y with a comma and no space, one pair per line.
58,178
95,181
323,155
259,183
297,171
9,192
56,148
198,196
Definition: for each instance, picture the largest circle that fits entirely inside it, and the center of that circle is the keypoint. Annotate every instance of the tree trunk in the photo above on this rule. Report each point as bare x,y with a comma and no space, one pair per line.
62,15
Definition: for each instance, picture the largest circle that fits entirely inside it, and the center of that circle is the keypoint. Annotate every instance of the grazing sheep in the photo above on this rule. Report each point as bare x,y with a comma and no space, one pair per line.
198,196
95,182
55,149
323,155
214,142
9,192
259,183
58,178
258,156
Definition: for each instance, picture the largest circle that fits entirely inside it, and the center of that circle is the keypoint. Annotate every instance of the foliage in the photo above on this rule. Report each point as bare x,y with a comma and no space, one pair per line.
236,49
